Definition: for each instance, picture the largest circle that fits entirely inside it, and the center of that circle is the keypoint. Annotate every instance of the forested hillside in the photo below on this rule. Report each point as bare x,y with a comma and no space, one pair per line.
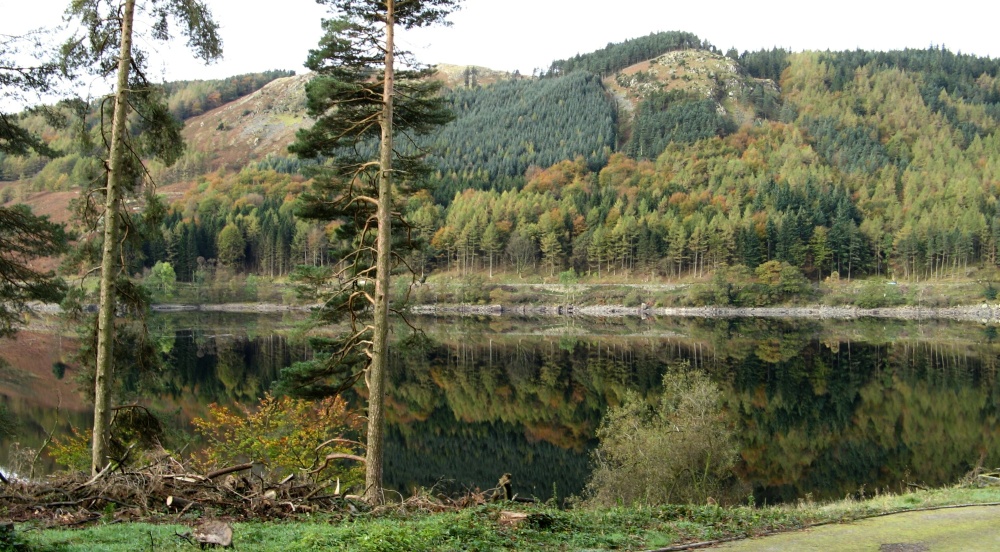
659,157
890,171
502,130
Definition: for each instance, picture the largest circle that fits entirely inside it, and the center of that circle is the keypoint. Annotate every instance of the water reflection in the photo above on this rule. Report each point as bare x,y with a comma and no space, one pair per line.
824,409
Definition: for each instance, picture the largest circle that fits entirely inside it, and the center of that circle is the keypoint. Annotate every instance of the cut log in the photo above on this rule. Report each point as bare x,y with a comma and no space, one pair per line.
178,503
989,479
512,518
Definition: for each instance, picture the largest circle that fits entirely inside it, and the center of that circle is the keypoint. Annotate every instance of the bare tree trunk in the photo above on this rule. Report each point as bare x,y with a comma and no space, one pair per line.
110,254
380,347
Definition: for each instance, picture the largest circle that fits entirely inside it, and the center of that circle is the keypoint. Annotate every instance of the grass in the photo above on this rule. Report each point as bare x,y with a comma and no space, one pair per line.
483,528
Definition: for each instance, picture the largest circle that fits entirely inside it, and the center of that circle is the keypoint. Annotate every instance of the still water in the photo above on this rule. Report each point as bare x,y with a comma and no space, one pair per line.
821,409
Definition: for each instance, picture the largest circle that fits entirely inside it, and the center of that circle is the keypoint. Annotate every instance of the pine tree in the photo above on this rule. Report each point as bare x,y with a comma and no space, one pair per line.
107,25
362,105
24,236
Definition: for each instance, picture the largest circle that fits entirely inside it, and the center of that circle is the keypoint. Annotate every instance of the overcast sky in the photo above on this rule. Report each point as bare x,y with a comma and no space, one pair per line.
528,34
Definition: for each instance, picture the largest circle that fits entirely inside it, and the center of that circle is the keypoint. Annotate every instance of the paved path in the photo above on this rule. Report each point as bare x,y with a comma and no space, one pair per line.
961,529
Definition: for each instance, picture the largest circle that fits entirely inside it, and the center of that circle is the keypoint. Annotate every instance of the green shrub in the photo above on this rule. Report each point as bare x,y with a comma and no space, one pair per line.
876,294
990,293
703,295
680,450
72,451
568,277
474,290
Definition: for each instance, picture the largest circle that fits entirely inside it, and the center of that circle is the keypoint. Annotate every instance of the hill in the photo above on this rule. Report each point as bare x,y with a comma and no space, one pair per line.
250,128
677,164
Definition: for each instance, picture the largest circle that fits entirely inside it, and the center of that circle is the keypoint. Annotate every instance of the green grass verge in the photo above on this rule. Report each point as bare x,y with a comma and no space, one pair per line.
482,528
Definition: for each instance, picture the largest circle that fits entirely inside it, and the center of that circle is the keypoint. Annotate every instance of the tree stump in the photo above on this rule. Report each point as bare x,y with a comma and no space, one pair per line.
213,533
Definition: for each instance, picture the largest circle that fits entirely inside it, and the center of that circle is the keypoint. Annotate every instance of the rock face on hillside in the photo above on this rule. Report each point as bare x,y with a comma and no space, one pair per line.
699,72
469,76
253,126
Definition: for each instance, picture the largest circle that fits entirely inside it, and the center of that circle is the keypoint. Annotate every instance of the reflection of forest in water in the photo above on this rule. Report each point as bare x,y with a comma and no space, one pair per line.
820,409
207,358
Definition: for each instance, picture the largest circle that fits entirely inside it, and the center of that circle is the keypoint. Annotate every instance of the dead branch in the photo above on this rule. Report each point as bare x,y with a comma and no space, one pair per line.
97,477
337,456
224,471
341,441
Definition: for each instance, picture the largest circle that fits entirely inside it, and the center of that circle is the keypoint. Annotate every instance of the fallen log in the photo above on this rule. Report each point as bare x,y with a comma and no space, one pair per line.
337,456
195,478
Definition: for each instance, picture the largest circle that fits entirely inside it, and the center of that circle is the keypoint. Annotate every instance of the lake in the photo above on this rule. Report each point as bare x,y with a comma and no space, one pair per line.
822,409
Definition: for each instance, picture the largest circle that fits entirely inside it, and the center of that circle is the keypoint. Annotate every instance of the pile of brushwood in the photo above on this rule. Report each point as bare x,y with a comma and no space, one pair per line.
166,490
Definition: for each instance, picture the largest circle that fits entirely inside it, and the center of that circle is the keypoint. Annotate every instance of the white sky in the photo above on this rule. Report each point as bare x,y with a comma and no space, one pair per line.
527,34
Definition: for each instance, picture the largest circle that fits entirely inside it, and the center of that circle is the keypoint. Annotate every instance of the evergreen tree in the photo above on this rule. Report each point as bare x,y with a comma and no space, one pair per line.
359,99
25,237
107,25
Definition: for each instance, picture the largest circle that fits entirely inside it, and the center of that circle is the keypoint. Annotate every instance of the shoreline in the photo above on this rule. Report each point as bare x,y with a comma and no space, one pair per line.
230,307
977,313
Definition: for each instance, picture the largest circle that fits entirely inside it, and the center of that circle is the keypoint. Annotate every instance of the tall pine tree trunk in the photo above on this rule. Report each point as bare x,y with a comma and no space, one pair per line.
110,254
380,347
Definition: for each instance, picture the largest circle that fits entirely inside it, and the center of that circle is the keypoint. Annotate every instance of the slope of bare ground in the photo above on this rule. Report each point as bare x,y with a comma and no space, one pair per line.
252,127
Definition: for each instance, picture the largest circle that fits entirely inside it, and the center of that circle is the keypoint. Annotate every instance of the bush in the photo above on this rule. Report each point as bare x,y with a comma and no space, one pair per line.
474,290
72,451
875,294
990,293
703,295
681,450
135,432
632,299
286,435
568,277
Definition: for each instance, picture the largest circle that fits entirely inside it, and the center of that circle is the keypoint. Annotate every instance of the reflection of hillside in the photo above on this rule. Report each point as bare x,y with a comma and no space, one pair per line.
207,360
554,390
439,453
829,421
818,412
37,399
821,408
29,374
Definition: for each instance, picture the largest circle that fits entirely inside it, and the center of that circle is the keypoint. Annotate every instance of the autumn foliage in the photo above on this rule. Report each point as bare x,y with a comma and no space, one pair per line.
286,436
